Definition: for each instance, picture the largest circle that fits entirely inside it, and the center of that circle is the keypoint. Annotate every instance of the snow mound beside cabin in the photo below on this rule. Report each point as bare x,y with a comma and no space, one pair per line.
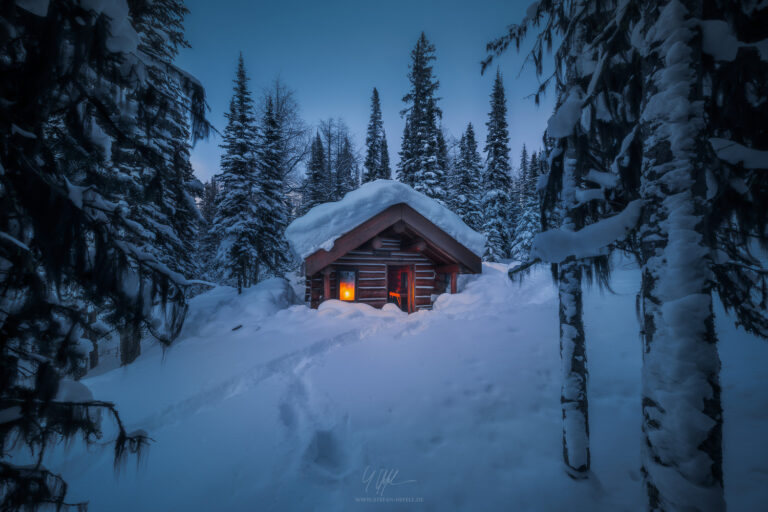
325,223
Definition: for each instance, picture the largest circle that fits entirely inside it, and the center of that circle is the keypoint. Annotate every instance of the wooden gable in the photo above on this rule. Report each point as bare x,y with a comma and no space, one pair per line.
440,247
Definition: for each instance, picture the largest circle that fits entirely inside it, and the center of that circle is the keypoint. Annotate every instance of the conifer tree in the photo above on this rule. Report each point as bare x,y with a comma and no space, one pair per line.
577,147
67,241
497,183
404,172
386,169
208,202
340,159
208,240
443,158
528,220
160,191
346,168
524,161
236,222
466,184
376,157
675,159
172,189
420,151
270,208
295,139
316,183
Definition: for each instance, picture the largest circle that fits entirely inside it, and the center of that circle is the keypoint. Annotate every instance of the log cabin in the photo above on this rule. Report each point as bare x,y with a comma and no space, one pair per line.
390,252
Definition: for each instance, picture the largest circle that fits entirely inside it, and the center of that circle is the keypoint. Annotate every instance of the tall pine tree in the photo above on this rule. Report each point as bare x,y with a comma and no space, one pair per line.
698,201
171,191
316,183
466,181
497,182
386,169
341,160
346,168
578,147
68,81
236,222
420,157
270,208
207,241
376,157
528,221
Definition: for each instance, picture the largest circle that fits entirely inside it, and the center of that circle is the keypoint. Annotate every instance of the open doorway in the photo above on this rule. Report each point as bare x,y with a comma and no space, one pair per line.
399,284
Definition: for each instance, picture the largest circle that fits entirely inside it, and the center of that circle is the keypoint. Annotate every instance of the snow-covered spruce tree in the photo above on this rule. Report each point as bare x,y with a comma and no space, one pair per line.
316,183
159,195
528,216
682,412
738,78
592,133
404,169
705,212
170,190
419,157
376,159
386,169
329,130
270,208
65,247
699,215
515,195
466,184
236,222
496,179
295,140
207,240
443,158
341,161
346,168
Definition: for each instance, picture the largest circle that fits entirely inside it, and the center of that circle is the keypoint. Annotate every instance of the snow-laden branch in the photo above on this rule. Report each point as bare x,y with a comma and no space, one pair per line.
562,122
719,41
734,153
15,241
555,245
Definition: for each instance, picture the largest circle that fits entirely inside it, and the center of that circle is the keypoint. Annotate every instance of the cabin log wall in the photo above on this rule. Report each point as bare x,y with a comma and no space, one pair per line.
371,266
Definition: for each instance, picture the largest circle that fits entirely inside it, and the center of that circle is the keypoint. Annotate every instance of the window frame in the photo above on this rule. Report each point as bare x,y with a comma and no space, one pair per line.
355,272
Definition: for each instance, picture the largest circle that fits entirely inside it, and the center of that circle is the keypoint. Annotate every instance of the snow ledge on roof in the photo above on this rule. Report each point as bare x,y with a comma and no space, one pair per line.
325,223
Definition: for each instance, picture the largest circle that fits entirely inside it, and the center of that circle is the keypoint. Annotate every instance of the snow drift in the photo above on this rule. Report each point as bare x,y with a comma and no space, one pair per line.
263,404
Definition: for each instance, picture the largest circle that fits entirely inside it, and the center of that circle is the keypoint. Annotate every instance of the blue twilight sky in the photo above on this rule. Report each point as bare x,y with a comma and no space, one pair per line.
333,53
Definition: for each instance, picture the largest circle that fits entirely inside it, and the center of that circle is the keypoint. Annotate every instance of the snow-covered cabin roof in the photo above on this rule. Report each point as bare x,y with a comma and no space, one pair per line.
325,223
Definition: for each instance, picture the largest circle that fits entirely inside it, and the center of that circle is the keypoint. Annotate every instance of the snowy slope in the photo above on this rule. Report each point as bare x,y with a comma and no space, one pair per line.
294,410
323,224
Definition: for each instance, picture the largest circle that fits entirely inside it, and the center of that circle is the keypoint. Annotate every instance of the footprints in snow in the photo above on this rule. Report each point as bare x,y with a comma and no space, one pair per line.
320,451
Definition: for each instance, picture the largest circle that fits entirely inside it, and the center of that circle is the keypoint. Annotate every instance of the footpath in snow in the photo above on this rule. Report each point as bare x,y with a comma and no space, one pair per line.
352,408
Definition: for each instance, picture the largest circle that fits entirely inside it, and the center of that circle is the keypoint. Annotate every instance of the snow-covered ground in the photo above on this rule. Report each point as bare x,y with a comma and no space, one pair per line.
452,409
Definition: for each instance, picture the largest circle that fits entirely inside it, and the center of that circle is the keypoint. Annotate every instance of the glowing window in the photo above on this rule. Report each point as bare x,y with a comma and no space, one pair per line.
347,284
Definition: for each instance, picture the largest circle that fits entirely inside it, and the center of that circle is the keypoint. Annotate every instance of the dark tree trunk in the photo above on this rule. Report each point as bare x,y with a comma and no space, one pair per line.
130,344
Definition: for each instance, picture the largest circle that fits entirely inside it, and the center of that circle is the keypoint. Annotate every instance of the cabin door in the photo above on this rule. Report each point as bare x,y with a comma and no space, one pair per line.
400,287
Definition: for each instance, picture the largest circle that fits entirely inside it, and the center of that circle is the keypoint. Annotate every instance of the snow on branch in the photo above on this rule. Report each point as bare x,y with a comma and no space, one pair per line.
555,245
719,41
734,153
562,122
14,241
